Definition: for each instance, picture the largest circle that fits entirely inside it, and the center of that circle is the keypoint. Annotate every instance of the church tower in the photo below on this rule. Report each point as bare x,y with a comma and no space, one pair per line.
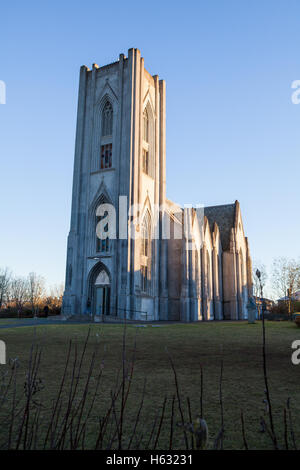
153,259
120,161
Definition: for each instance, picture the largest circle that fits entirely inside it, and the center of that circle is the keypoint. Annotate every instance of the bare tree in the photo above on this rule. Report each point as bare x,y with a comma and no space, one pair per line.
36,290
286,278
5,277
54,299
57,291
19,292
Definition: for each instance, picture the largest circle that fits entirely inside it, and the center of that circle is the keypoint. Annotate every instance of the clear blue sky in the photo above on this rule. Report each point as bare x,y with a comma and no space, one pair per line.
232,130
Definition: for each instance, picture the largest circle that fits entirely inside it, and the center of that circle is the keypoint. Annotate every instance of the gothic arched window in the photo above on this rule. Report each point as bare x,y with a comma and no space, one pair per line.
146,253
107,120
146,126
107,130
147,150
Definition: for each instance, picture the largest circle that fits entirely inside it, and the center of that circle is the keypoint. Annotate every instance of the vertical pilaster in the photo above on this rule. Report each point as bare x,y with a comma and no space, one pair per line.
204,279
130,259
157,216
162,198
121,244
81,113
85,192
69,301
140,128
239,285
162,133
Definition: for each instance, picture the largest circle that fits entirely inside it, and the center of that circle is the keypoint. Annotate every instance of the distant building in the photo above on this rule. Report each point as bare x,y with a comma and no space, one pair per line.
264,304
295,297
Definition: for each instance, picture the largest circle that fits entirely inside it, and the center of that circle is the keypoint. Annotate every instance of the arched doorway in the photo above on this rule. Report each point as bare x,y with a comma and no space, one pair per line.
99,290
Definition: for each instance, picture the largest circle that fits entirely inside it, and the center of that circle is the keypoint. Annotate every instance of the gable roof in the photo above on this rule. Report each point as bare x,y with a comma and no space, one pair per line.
224,216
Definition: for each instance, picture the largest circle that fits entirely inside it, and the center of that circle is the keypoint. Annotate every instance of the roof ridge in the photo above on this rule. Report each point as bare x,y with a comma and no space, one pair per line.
220,205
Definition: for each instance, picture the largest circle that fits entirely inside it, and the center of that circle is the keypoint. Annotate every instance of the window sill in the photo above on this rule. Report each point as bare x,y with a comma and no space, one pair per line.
102,170
100,255
107,139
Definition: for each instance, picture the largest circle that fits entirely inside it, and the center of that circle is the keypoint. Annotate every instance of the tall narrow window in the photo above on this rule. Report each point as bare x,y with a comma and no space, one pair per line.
107,120
146,254
102,245
144,277
106,137
147,147
146,161
146,126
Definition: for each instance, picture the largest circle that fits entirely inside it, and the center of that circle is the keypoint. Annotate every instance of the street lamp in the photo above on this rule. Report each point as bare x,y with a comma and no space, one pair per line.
258,275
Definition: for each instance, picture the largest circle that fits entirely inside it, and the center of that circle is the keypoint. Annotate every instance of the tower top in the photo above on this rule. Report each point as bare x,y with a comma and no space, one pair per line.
132,53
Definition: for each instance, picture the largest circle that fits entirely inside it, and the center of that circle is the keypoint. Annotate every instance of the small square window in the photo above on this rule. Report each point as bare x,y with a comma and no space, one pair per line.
106,156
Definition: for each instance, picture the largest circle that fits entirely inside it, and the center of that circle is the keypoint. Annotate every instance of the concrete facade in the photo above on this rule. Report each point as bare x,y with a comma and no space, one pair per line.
202,271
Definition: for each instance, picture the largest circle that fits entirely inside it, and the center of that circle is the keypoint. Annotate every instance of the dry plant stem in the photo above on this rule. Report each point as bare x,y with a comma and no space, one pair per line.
152,431
68,424
64,424
243,431
274,439
172,424
160,423
139,441
221,405
84,425
138,414
82,403
33,365
112,411
13,408
62,383
7,387
125,392
190,420
105,421
115,433
179,402
201,392
123,387
291,424
68,418
267,429
285,430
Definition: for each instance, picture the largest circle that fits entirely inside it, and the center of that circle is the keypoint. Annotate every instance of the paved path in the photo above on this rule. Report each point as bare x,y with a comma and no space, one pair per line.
18,322
57,320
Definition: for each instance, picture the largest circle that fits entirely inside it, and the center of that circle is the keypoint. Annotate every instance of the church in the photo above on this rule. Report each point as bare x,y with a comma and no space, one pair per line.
154,260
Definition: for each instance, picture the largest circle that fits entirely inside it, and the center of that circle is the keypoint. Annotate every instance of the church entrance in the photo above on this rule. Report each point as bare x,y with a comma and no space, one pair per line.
101,297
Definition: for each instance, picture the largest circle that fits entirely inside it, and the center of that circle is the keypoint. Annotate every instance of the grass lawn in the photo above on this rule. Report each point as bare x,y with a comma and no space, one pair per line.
190,346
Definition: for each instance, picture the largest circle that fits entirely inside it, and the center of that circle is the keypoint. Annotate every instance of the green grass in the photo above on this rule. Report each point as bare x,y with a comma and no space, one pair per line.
190,346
